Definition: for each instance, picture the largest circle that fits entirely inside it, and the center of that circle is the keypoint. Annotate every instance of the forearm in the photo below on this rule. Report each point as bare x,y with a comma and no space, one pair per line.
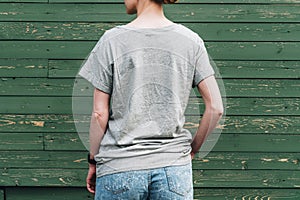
207,124
98,127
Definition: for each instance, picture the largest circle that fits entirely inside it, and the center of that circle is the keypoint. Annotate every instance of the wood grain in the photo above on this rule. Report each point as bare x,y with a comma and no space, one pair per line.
279,51
180,13
40,193
245,193
56,123
288,88
225,68
92,31
83,105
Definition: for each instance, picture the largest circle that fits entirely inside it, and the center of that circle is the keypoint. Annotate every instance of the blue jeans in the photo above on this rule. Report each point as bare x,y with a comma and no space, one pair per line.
166,183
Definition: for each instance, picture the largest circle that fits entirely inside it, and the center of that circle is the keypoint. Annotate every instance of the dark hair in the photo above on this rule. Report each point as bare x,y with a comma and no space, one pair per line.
165,1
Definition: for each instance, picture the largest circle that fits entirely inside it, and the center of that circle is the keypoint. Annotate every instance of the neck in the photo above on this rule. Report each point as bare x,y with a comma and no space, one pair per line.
149,9
149,15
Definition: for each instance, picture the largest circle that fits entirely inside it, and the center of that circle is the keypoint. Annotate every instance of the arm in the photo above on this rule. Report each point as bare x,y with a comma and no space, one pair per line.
210,92
98,127
99,120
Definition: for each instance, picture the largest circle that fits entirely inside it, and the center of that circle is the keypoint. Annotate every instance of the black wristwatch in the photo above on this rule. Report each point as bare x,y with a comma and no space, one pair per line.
91,161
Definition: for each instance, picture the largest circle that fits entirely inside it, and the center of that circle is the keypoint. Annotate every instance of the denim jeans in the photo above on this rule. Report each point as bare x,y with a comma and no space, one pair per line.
166,183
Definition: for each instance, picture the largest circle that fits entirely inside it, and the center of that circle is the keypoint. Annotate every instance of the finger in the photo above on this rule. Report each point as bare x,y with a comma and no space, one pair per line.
91,188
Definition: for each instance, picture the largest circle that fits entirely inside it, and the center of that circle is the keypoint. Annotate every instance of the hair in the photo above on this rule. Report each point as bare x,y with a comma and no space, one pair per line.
165,1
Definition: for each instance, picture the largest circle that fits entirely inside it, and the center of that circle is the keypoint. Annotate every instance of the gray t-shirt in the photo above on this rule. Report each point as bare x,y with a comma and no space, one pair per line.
149,73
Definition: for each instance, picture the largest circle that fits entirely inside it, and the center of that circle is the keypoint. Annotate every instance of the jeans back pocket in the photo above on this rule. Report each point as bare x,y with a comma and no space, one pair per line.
180,179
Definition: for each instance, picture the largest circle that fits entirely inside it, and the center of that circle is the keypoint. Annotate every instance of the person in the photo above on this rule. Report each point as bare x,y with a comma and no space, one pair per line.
143,73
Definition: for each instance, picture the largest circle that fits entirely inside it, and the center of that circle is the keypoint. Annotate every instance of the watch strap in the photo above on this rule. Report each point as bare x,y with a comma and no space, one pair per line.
91,161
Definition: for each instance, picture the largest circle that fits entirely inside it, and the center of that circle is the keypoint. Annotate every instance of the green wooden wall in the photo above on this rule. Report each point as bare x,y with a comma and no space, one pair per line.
255,44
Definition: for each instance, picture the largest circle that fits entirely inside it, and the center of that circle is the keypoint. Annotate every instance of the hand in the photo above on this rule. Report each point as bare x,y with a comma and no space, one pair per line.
91,179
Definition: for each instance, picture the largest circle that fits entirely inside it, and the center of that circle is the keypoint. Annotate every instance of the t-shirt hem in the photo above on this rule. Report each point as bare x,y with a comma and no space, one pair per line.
182,161
197,81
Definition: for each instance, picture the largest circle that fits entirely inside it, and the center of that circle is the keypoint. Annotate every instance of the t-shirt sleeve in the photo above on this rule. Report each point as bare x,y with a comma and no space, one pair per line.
97,68
203,68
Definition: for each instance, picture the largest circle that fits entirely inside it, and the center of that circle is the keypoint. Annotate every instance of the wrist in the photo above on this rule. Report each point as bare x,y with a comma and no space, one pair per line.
92,167
91,160
192,155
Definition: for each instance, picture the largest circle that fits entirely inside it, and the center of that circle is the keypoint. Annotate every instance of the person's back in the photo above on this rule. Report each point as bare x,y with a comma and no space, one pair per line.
144,71
149,73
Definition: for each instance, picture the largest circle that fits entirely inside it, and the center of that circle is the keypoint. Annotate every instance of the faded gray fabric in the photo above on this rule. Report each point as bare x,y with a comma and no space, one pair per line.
149,73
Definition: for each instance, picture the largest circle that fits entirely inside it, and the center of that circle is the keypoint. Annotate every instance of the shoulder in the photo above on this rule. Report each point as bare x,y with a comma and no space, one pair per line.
108,36
112,33
189,33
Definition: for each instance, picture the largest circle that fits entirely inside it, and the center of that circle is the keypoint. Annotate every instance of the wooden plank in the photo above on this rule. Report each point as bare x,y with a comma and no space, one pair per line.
40,105
46,49
23,67
261,88
186,1
44,105
247,124
43,177
202,178
39,123
65,141
54,30
84,105
280,51
64,68
23,1
246,31
65,193
52,12
253,50
40,193
249,106
247,161
93,31
247,178
227,1
227,69
261,143
69,68
258,69
36,86
226,142
252,124
179,13
248,193
233,124
64,87
44,159
214,160
21,141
